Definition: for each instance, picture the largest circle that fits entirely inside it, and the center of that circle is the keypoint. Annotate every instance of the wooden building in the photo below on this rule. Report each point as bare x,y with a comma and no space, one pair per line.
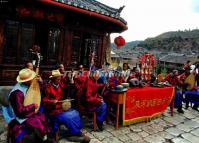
174,61
67,31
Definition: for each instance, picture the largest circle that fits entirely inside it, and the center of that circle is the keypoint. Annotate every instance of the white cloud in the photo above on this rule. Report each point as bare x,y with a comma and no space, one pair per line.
149,18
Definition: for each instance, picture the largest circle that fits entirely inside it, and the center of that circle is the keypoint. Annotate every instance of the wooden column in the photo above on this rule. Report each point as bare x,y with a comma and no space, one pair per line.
62,46
2,27
67,47
107,47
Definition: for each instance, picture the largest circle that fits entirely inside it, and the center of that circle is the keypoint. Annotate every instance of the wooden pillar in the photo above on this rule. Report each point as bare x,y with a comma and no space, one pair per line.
2,27
103,51
62,46
100,52
67,47
108,48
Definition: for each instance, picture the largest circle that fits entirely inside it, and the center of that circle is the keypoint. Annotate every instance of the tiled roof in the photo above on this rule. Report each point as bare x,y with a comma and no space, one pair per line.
179,59
95,6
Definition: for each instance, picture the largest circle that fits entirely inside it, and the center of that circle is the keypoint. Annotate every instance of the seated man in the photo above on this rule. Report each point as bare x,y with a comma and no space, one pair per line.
57,114
23,119
64,82
91,99
29,65
81,70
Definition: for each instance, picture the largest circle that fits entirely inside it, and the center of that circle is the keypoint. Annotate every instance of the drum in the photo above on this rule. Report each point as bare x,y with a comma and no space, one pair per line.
66,105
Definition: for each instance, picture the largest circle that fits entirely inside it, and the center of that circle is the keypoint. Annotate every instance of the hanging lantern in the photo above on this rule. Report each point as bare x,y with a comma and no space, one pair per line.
119,41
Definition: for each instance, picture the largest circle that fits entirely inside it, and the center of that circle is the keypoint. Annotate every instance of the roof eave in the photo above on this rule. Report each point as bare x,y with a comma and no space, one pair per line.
89,13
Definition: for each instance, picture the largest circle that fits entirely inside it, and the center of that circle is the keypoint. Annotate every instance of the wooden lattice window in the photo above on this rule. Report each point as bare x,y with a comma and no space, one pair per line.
19,38
92,46
27,41
76,48
54,36
11,40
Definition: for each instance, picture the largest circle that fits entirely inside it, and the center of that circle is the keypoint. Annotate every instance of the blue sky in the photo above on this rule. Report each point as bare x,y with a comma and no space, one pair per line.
149,18
195,5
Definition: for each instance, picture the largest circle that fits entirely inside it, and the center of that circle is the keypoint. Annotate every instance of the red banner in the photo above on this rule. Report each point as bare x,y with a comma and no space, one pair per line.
141,104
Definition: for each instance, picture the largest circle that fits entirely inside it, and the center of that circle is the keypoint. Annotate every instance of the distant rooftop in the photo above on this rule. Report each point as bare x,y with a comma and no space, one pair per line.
176,58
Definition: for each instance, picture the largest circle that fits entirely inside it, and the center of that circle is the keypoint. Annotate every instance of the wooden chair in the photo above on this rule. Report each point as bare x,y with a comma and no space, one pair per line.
83,111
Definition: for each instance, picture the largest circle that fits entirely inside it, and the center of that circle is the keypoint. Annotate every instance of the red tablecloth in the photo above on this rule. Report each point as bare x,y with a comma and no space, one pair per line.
141,104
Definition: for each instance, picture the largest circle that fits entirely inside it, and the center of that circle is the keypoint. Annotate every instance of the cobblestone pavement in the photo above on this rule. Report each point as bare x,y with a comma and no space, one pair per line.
181,128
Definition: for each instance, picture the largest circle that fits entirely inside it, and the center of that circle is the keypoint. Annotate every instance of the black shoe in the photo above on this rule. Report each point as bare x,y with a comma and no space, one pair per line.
75,138
180,111
100,126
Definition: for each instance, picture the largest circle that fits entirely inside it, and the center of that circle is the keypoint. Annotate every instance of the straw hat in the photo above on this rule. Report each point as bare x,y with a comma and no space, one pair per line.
25,75
55,73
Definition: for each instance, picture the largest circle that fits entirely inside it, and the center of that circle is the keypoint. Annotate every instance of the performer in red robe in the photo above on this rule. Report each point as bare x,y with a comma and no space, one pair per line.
173,79
57,114
91,99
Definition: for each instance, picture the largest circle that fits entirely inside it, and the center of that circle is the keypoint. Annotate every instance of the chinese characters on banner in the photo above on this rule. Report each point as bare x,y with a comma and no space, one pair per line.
144,103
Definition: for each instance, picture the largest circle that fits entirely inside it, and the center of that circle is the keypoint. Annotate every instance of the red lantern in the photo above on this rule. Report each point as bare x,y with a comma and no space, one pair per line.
119,41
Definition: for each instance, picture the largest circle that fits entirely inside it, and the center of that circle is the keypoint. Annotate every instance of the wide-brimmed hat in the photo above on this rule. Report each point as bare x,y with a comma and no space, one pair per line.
55,73
25,75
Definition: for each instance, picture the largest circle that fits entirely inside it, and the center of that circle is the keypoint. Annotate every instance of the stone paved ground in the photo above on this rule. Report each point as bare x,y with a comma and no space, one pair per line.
181,128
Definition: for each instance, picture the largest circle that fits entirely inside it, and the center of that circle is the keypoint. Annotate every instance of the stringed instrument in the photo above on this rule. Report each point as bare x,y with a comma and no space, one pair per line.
191,78
191,81
33,94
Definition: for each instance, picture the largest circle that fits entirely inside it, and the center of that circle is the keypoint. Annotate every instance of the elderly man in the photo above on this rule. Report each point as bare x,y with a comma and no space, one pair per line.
91,99
24,118
29,65
64,82
58,113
